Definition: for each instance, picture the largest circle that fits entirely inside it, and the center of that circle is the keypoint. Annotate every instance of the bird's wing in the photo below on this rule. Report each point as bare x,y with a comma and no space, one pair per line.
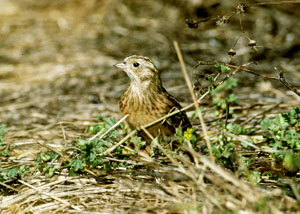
179,119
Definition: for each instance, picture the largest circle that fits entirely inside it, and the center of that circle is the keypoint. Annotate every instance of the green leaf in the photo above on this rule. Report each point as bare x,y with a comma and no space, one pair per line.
228,150
226,86
94,129
255,177
293,138
136,140
110,122
280,122
24,170
100,119
76,164
265,124
82,142
2,130
221,67
12,173
72,172
236,129
232,98
113,134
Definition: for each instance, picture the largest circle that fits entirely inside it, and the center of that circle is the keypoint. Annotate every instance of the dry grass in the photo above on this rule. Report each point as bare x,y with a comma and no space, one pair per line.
56,78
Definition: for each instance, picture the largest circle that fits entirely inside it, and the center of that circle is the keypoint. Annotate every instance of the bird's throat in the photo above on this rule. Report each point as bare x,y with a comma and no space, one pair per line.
143,89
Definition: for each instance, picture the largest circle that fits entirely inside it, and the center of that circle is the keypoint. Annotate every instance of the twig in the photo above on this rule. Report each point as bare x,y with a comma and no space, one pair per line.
260,113
9,187
284,82
295,190
250,71
274,3
51,148
110,129
189,84
239,68
118,144
251,144
147,133
194,23
49,195
177,111
125,161
229,177
227,112
280,79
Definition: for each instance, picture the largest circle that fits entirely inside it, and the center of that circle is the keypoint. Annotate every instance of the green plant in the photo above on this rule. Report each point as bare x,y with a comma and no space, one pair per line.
185,137
292,117
2,132
13,173
137,141
89,152
221,67
4,147
255,177
103,126
45,162
224,152
223,96
236,129
282,133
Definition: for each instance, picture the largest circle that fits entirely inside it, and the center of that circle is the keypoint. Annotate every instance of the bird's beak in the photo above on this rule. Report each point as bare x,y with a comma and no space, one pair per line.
121,66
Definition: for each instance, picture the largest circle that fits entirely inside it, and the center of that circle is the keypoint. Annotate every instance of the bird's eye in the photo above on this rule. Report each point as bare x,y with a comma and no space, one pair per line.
136,64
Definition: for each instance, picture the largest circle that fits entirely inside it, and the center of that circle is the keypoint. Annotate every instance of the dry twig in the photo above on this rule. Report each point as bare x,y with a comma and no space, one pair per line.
189,84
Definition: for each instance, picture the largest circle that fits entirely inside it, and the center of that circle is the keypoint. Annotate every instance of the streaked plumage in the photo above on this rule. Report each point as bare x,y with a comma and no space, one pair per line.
147,100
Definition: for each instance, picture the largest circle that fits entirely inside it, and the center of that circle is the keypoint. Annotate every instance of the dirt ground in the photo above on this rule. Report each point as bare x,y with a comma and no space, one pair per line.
56,77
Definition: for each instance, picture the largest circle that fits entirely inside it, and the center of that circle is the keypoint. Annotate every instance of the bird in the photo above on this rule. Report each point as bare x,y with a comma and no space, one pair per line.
146,100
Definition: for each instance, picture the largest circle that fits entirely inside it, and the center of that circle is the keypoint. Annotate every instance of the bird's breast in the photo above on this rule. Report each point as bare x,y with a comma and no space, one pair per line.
143,109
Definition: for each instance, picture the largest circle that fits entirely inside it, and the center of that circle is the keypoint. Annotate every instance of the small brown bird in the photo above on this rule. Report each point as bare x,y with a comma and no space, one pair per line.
146,100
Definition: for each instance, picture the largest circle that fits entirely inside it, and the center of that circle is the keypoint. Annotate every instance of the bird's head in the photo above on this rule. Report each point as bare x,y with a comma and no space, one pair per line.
139,69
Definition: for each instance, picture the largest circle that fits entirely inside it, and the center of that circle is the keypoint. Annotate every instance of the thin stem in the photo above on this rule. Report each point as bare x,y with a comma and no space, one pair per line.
274,3
110,129
189,84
